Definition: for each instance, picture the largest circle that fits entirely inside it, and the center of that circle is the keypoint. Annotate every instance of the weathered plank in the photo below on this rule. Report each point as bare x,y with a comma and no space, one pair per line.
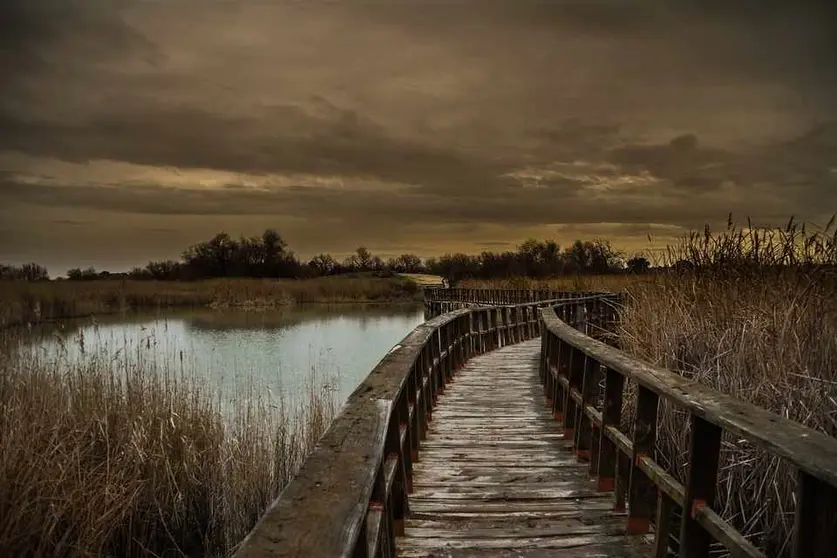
495,476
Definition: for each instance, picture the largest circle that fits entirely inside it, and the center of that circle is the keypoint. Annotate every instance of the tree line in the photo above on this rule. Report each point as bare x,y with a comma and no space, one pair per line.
268,256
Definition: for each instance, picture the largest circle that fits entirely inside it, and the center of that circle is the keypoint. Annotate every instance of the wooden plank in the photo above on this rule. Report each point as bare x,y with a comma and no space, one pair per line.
496,476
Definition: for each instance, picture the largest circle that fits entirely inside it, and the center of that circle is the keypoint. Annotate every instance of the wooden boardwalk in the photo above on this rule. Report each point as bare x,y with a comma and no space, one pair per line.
495,476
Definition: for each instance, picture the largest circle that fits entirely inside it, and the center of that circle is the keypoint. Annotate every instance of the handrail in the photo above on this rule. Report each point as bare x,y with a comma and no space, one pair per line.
572,367
351,496
504,296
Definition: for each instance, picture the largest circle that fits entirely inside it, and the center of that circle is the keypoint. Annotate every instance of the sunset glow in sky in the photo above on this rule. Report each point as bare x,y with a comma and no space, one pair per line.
132,128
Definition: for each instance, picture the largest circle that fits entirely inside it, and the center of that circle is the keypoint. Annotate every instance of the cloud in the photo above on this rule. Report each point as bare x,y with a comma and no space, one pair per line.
411,116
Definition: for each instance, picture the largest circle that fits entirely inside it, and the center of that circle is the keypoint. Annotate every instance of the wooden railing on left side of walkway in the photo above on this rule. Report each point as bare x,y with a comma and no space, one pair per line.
351,495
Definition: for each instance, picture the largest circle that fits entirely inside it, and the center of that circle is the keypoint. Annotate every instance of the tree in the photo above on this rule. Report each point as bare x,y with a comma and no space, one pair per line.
274,252
163,271
323,264
26,272
406,263
638,265
364,258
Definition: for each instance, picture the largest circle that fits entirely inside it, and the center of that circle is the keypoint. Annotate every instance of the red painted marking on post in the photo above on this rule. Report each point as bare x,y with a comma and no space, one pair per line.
638,525
696,505
606,484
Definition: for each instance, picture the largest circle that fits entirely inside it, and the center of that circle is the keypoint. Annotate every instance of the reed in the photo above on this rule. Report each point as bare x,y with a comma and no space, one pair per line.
124,457
752,314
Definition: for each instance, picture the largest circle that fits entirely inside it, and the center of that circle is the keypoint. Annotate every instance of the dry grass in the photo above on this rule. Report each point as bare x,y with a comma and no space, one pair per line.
108,458
22,302
756,319
769,341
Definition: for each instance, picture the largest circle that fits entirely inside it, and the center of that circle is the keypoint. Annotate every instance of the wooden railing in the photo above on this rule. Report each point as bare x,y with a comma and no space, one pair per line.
352,494
496,297
574,366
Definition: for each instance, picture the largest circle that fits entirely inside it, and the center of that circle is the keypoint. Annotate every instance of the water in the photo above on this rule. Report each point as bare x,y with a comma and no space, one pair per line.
284,351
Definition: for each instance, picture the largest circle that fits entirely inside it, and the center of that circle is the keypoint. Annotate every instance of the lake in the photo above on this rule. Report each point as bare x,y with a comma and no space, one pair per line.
285,351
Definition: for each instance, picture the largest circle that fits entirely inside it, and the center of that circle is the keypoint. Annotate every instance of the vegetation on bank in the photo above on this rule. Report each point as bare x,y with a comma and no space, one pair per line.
32,302
115,458
268,256
753,314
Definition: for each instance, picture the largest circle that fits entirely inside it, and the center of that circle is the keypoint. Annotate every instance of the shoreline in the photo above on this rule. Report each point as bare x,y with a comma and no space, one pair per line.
22,304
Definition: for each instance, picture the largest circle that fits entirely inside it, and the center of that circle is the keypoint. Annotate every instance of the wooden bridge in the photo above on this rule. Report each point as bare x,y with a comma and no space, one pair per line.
511,425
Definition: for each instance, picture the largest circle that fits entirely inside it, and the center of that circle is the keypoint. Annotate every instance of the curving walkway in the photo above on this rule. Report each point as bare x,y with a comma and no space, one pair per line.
496,478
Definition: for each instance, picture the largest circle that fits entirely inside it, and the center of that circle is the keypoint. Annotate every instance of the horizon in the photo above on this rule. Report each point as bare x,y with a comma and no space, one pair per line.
131,130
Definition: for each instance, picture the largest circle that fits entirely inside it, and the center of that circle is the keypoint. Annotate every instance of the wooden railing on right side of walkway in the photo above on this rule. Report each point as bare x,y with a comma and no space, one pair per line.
573,367
499,297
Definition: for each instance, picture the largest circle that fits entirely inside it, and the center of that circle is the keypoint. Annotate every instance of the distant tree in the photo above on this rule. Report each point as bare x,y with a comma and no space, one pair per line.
364,259
406,263
139,273
163,270
26,272
274,253
638,265
323,264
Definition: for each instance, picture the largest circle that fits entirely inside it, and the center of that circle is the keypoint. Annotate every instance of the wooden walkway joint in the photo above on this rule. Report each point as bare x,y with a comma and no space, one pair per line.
496,475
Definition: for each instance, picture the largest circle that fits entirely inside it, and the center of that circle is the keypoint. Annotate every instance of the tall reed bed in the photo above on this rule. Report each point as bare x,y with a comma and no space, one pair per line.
753,314
124,457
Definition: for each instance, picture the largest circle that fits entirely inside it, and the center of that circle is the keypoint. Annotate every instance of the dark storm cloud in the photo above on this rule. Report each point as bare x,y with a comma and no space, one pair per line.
514,113
522,208
342,143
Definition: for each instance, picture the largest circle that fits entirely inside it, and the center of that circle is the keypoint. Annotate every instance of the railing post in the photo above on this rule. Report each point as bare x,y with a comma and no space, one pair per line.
576,372
815,524
583,432
426,387
611,416
642,494
662,525
416,399
397,502
704,458
561,359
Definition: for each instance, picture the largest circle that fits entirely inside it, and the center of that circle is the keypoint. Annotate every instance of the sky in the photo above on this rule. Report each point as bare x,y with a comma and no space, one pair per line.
130,129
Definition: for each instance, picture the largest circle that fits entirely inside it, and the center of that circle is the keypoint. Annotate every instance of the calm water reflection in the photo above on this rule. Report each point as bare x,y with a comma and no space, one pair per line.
275,350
